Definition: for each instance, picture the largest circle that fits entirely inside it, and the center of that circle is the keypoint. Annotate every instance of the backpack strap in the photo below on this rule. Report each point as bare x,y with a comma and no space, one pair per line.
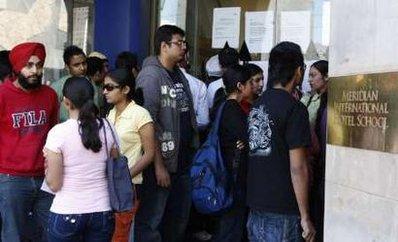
106,141
213,135
113,135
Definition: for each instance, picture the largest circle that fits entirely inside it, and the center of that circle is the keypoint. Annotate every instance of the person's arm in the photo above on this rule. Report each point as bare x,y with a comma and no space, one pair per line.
52,153
233,134
54,170
151,92
299,139
147,137
300,179
150,88
210,95
203,108
162,175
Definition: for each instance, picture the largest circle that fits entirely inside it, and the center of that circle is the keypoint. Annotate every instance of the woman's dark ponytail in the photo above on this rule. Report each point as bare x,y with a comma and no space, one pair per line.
88,126
80,92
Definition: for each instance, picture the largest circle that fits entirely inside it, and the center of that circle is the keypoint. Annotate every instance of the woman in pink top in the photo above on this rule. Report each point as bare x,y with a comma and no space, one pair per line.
76,157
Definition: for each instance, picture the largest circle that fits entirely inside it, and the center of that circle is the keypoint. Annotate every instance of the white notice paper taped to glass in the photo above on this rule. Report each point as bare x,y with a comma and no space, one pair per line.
226,27
173,12
296,27
259,31
80,27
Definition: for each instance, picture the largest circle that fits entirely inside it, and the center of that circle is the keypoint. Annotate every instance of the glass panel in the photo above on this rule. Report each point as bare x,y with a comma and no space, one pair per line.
306,22
172,12
83,24
202,49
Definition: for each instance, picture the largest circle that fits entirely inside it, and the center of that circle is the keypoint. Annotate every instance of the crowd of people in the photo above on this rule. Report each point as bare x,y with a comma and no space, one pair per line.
55,141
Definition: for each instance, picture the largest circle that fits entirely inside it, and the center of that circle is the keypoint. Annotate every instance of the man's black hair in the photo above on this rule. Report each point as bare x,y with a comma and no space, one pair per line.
233,75
254,69
228,57
70,51
126,60
284,59
164,34
94,65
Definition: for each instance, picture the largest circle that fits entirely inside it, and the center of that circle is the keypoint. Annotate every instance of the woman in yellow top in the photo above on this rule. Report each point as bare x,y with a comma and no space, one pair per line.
135,129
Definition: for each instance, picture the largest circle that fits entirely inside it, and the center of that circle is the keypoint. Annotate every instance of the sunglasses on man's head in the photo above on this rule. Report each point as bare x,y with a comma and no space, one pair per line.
110,88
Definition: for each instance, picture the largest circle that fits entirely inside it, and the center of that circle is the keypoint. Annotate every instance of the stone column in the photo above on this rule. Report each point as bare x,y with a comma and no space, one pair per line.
362,185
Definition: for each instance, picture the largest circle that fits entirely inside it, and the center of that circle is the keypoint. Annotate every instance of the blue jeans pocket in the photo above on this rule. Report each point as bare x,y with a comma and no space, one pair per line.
255,228
64,225
263,226
292,229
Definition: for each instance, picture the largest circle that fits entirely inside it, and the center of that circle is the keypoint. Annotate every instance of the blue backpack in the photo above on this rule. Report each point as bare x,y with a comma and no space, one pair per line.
211,191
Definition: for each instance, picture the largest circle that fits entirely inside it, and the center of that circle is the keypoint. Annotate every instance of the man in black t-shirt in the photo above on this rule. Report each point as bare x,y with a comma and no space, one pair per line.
277,188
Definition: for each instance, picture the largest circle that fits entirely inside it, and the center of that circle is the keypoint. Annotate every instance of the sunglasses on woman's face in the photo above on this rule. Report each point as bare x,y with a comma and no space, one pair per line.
110,88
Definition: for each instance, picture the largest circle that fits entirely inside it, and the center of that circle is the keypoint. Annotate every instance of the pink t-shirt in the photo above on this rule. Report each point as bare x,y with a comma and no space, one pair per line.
85,187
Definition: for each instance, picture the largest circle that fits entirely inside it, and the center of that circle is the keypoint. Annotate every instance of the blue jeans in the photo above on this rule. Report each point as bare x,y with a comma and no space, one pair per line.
271,227
88,227
231,225
24,208
164,212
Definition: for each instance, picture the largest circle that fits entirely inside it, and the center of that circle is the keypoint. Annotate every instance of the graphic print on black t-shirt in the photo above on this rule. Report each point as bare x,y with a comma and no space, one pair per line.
277,124
181,98
186,130
260,132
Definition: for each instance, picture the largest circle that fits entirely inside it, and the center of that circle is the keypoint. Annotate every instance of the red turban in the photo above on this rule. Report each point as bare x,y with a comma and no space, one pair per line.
20,54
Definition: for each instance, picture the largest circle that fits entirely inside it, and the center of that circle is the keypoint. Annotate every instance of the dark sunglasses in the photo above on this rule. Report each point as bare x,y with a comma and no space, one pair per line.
110,88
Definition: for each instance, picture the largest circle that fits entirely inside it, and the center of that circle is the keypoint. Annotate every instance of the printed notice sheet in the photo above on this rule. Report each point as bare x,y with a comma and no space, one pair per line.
296,27
259,31
226,27
80,27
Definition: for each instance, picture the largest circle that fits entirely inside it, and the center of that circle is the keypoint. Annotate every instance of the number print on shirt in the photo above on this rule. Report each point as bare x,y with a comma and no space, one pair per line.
260,132
168,146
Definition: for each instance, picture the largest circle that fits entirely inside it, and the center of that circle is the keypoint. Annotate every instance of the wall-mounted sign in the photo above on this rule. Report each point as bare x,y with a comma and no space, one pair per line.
363,111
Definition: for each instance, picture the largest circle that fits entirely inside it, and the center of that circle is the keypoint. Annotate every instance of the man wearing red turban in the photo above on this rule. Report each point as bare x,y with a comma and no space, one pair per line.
28,110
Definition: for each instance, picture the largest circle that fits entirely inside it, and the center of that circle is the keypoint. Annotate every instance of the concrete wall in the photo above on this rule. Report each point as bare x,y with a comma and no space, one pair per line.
362,185
43,21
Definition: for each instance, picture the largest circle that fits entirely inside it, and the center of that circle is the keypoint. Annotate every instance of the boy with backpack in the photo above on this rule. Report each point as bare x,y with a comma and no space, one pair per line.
219,168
